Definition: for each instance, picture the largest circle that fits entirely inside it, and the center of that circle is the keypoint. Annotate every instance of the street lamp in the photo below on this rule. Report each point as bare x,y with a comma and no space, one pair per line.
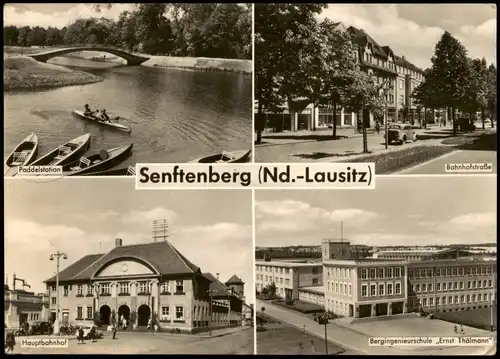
57,256
385,88
323,320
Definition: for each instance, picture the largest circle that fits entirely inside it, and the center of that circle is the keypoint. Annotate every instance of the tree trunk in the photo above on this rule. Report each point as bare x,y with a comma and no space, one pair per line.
334,121
365,137
260,125
482,117
453,114
448,115
493,118
425,118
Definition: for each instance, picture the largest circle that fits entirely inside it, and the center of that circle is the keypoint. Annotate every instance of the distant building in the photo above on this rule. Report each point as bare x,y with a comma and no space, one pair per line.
419,254
137,282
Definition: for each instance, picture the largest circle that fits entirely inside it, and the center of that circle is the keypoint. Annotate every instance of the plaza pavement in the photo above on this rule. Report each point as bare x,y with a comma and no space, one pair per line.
233,342
355,337
315,146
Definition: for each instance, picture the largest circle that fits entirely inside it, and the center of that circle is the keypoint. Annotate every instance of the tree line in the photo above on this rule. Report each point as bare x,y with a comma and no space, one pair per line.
299,57
457,82
202,30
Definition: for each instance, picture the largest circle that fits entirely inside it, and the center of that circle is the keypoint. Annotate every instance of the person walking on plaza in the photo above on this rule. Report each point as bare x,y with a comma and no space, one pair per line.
462,329
455,329
93,334
377,127
80,335
10,343
113,329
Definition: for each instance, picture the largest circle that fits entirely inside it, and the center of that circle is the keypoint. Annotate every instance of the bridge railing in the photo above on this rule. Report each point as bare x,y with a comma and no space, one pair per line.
106,46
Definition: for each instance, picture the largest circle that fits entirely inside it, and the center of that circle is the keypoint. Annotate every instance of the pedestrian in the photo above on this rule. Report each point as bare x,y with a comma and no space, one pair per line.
377,127
26,328
124,323
455,329
150,324
10,343
462,329
113,329
92,334
81,335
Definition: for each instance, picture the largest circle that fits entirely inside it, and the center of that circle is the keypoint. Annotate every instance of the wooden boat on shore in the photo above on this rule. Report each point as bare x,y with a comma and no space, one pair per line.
22,155
65,153
226,157
129,171
101,161
110,124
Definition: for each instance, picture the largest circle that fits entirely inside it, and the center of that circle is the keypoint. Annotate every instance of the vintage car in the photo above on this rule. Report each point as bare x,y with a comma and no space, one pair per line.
464,124
40,328
400,133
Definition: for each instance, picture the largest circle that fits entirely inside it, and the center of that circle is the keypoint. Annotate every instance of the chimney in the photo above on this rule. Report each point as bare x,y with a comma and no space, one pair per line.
217,274
118,242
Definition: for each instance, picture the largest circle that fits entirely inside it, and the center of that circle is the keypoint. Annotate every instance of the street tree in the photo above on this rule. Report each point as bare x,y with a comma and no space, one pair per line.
450,72
491,94
475,90
425,95
282,43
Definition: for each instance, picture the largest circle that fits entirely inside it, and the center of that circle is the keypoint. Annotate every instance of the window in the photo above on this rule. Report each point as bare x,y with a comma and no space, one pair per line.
350,290
179,313
398,288
417,288
363,273
104,288
79,289
424,302
450,300
444,300
381,289
429,287
485,283
455,285
448,272
455,271
429,273
314,281
345,289
389,289
474,284
401,84
397,272
437,300
490,283
461,285
450,286
479,297
381,273
53,301
473,271
373,273
479,284
462,299
179,286
124,288
165,287
469,284
66,290
389,272
460,271
456,300
468,298
431,301
90,313
79,312
373,290
281,280
336,287
165,313
364,291
438,287
287,281
424,287
438,272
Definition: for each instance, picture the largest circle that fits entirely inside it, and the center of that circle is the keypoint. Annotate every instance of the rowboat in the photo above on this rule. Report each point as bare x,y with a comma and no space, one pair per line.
65,153
129,171
226,157
114,125
101,161
23,154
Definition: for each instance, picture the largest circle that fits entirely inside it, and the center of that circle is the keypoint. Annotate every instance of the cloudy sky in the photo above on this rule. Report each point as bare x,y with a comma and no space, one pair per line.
418,210
58,15
413,30
84,216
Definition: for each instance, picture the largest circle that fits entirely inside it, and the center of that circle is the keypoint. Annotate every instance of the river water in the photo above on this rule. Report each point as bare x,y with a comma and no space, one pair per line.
175,115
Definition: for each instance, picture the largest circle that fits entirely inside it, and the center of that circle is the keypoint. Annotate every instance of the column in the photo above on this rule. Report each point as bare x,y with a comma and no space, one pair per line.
356,311
315,116
405,306
155,292
295,121
374,310
389,308
96,297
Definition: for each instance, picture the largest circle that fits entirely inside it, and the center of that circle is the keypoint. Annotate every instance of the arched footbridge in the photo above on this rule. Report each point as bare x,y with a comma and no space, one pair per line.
131,59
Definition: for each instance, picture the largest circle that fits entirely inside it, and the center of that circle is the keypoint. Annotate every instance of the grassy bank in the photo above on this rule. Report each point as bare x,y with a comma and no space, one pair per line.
24,73
201,64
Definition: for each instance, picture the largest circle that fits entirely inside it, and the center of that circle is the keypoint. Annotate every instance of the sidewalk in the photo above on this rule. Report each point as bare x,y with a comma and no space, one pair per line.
322,134
216,333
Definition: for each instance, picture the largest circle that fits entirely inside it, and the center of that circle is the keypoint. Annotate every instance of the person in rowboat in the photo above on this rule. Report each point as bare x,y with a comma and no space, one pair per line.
104,116
88,111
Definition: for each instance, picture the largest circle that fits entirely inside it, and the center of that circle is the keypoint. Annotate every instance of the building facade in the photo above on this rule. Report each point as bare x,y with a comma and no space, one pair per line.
21,306
401,76
287,276
136,282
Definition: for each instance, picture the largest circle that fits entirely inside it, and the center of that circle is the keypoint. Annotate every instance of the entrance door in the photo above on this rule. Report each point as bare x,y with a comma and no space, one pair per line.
123,311
65,318
143,312
105,314
351,310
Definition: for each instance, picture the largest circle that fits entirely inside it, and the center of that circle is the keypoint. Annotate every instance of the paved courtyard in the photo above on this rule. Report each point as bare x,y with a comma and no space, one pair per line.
241,342
409,326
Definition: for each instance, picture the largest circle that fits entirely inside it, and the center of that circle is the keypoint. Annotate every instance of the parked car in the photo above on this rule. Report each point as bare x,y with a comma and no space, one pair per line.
400,133
464,124
38,328
86,331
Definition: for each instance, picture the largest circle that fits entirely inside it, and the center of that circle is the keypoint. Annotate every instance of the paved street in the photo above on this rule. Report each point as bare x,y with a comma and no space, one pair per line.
241,342
437,165
356,340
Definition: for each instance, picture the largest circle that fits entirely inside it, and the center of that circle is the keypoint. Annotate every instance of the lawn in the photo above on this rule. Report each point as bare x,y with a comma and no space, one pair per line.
389,162
478,318
279,338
